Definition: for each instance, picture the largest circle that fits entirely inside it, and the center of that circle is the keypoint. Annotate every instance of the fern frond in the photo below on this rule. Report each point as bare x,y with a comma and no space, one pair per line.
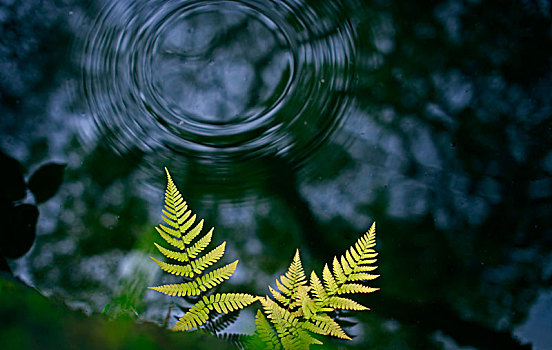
313,327
177,243
281,318
360,268
352,267
320,295
329,281
179,231
362,277
208,259
299,310
179,270
195,317
178,256
217,276
287,326
200,245
221,303
277,295
339,274
181,289
292,280
345,304
173,231
308,306
266,333
188,237
174,212
351,288
329,325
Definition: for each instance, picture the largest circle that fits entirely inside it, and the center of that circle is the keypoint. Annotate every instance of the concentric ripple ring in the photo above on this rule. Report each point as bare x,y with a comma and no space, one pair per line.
227,80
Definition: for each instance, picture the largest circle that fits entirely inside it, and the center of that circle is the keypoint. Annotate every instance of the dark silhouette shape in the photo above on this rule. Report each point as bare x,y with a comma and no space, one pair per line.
18,230
12,182
45,182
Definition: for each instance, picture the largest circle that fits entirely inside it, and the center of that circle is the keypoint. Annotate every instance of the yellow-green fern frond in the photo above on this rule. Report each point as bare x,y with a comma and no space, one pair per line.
221,303
217,276
179,270
320,295
171,254
284,322
308,307
277,295
200,245
181,231
180,290
287,326
266,333
336,302
299,310
329,281
192,234
292,280
177,243
208,259
355,288
352,267
329,325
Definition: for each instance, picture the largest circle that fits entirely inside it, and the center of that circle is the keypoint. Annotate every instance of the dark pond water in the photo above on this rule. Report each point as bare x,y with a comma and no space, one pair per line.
295,124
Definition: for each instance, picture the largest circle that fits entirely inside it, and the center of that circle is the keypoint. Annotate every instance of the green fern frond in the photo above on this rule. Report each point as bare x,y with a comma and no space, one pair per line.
221,303
265,332
180,230
208,259
308,307
329,325
361,277
171,254
201,284
200,245
352,288
336,302
192,234
287,326
284,322
217,276
352,267
320,295
173,230
278,296
298,310
339,274
181,289
179,270
292,280
329,281
177,243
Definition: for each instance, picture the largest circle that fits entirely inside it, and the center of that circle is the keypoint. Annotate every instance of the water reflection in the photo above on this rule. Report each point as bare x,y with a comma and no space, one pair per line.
219,82
433,118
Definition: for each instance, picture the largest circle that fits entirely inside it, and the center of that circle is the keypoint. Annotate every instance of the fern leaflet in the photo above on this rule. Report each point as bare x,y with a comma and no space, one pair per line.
301,307
191,262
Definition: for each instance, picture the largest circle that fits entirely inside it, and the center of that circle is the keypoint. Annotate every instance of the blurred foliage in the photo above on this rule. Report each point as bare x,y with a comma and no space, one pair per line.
31,321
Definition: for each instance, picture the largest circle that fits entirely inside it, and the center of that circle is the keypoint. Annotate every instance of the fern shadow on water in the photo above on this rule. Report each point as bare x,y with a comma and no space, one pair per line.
294,318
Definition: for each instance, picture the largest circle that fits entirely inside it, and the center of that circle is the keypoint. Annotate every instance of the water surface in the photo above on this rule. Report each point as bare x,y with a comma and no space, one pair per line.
295,124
